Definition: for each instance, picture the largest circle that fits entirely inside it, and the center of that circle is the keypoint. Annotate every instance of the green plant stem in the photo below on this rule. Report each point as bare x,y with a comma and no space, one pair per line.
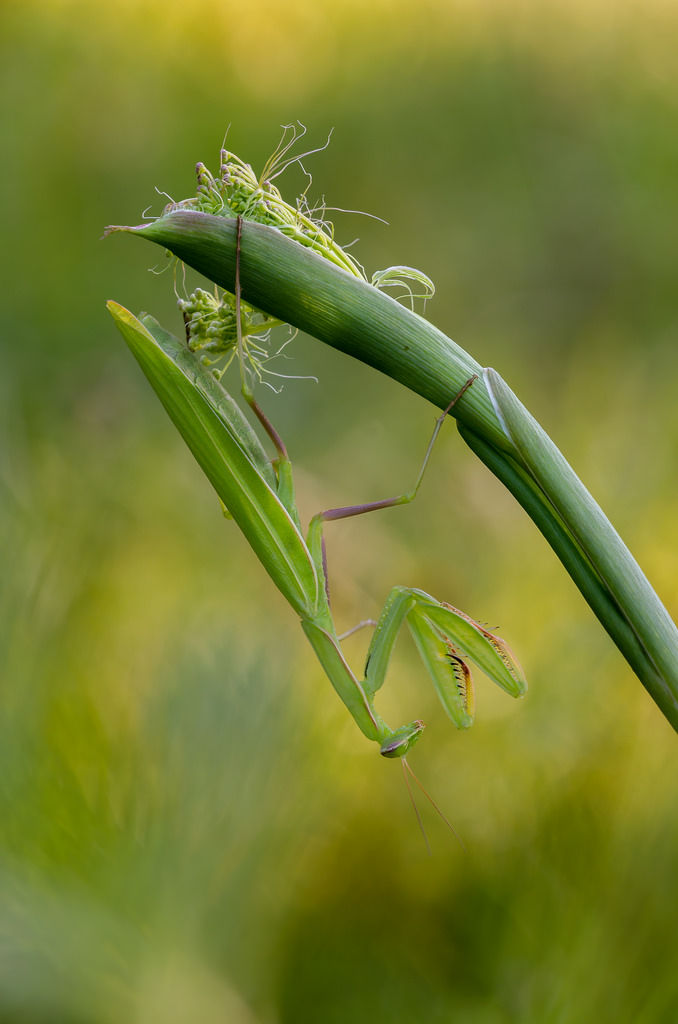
578,565
296,285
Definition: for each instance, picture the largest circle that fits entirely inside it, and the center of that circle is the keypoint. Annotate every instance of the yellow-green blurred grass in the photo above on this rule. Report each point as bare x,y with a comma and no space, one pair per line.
185,798
190,827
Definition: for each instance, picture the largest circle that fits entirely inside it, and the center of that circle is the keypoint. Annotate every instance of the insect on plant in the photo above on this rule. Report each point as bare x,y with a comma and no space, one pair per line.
258,493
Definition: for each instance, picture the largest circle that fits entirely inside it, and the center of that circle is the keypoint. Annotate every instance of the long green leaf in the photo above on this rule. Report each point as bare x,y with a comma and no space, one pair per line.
220,453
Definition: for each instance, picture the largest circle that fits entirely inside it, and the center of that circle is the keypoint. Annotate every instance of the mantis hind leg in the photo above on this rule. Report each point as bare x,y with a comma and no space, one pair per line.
400,499
316,539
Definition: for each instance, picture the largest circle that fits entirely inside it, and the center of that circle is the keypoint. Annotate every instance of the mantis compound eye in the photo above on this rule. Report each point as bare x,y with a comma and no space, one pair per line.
402,740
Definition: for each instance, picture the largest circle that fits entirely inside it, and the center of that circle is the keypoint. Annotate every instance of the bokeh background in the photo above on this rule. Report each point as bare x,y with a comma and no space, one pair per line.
191,828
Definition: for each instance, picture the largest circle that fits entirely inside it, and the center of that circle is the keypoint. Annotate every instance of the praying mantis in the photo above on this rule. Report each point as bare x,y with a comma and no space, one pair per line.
258,493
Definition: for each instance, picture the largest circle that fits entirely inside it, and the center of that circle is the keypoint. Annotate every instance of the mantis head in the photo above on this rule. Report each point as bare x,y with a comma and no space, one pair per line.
402,740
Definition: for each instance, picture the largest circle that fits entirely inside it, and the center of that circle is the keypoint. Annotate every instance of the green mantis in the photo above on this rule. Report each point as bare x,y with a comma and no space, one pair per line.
258,494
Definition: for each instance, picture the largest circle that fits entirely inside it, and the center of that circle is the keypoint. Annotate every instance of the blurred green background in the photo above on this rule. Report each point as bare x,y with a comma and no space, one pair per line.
191,828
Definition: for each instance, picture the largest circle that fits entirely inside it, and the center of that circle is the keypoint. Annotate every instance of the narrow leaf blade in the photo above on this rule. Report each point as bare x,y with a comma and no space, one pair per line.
263,519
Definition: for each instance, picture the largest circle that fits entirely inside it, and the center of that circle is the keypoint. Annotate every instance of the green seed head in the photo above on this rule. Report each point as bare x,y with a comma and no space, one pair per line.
212,331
